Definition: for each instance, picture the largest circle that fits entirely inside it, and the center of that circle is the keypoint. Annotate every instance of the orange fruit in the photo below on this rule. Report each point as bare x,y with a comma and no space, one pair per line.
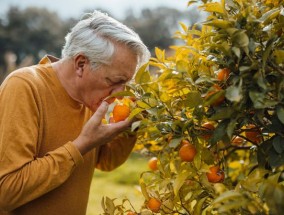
131,213
207,130
187,152
212,91
223,74
153,163
120,112
215,175
253,134
237,141
154,204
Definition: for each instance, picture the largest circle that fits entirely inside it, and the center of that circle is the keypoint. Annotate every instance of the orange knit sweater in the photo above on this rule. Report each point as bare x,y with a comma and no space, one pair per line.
41,171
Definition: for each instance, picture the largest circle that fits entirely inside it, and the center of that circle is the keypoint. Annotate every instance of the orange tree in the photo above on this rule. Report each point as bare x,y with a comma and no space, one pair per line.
230,74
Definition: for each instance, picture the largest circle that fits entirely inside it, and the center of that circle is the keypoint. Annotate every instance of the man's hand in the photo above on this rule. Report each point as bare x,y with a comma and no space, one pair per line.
95,133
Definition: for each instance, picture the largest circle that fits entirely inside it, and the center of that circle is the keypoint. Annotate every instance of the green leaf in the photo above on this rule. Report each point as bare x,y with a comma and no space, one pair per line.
220,131
240,39
280,114
254,179
218,23
199,206
193,99
261,82
109,206
179,181
227,195
279,56
235,204
214,7
142,76
222,113
175,142
144,189
215,98
274,178
269,15
259,100
273,193
182,66
135,125
165,75
191,2
183,26
120,94
160,54
135,111
234,93
237,52
275,159
143,105
231,126
194,32
267,52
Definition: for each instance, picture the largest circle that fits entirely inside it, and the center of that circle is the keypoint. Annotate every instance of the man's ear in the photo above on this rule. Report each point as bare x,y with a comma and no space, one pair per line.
80,62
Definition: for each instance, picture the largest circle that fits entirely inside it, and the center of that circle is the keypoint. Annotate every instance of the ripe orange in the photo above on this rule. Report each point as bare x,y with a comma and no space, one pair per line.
154,204
207,130
223,74
153,163
213,90
215,175
187,152
237,141
131,213
253,133
120,112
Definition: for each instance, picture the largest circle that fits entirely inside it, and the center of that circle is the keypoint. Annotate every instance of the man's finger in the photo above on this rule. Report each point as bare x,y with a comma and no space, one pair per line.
121,126
100,112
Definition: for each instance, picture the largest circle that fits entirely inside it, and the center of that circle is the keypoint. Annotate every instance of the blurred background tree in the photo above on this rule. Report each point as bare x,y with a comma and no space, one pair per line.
26,35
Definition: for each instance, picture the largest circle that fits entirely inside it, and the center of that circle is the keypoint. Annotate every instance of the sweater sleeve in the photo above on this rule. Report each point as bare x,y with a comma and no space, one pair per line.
115,153
23,175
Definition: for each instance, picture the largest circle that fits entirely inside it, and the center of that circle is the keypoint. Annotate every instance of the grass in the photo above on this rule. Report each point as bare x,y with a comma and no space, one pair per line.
120,183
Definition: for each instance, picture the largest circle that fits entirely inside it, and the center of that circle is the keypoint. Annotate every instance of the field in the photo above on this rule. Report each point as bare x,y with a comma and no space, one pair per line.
120,183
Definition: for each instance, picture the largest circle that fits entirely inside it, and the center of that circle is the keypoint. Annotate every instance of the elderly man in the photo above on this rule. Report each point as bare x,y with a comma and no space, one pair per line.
51,135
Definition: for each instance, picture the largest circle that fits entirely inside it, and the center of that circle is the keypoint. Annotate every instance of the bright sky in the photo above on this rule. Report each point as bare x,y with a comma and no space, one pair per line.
74,8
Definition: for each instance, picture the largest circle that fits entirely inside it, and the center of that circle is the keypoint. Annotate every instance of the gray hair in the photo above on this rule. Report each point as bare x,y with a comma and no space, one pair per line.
95,37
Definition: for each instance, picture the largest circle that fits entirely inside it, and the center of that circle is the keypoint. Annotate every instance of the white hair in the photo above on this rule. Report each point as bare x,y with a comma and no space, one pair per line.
95,37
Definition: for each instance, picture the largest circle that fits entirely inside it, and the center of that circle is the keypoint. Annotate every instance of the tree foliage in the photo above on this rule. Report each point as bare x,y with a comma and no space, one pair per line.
245,37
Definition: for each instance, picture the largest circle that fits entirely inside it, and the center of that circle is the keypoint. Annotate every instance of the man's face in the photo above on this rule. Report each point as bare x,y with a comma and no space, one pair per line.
96,85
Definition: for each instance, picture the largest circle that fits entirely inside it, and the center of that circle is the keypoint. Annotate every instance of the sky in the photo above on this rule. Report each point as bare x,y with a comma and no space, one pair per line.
74,8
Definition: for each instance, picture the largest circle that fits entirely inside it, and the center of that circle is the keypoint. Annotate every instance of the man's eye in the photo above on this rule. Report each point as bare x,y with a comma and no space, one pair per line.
112,82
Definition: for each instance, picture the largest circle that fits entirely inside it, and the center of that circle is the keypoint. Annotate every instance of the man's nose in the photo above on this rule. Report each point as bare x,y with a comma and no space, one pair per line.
118,88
